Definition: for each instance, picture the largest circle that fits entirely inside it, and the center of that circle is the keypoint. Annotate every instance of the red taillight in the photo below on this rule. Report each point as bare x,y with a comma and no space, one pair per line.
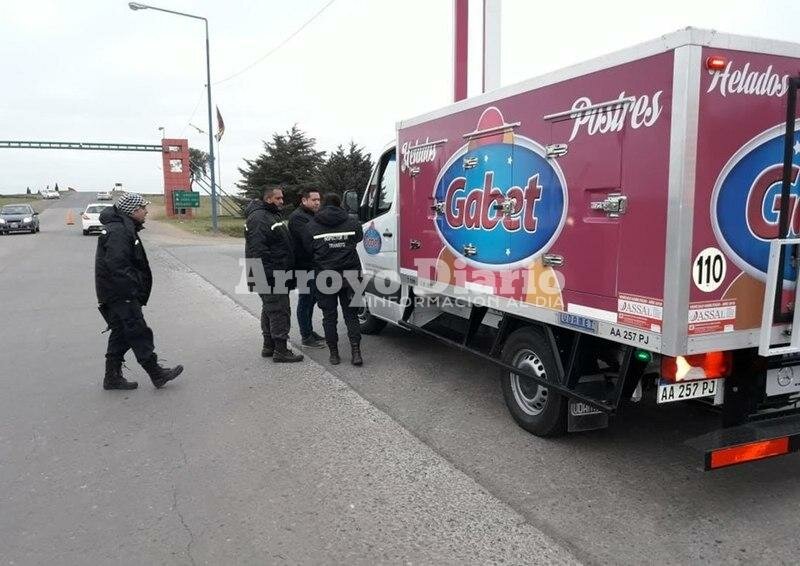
748,452
711,365
715,63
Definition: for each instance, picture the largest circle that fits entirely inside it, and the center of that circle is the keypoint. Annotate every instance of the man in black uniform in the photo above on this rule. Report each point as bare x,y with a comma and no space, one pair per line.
309,205
267,238
331,238
123,282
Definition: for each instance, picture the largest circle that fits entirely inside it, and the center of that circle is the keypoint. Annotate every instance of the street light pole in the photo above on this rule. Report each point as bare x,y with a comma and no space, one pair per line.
137,6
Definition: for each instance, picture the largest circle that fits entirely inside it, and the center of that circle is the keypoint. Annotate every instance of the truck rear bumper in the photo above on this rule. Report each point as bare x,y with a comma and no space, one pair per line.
749,442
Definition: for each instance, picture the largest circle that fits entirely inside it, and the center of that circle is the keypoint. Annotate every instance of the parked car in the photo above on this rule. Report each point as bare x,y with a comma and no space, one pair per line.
50,194
18,218
90,219
105,196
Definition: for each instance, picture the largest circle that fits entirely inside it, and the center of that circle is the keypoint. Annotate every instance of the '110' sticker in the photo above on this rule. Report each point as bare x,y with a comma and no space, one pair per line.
709,270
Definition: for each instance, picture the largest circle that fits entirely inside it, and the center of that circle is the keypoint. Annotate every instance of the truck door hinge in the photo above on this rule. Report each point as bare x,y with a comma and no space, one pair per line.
614,205
553,260
508,206
556,150
470,250
414,244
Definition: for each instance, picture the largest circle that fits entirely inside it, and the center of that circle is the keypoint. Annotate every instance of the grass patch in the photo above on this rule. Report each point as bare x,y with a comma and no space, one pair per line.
200,223
33,200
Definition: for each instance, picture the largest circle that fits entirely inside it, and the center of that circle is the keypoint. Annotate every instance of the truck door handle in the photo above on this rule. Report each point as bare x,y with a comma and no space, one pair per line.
387,234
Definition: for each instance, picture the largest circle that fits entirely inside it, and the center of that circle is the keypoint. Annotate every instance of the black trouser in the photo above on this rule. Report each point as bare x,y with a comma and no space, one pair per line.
276,317
129,331
330,316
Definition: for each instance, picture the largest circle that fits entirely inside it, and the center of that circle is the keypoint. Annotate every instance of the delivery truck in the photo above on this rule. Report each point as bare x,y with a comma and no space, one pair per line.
620,229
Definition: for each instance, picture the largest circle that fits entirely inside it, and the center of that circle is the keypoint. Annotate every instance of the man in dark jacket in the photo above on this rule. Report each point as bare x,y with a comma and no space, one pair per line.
304,267
331,238
123,282
267,238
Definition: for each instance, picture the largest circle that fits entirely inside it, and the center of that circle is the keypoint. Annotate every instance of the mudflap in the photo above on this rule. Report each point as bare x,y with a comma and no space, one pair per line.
582,417
755,440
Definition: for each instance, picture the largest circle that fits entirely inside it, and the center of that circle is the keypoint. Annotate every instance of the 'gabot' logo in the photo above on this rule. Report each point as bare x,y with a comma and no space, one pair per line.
500,196
746,202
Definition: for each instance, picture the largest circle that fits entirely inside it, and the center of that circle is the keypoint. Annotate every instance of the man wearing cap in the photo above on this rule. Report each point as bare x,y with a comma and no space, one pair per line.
123,282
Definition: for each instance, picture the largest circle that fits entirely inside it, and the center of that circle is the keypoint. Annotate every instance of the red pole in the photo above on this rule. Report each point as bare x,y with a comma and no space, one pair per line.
460,48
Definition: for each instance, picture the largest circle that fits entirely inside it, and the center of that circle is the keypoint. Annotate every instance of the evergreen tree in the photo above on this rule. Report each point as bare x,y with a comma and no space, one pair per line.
345,170
198,163
289,161
29,190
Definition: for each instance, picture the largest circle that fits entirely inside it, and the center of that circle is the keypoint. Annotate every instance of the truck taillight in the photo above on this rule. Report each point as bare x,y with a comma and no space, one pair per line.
715,63
711,365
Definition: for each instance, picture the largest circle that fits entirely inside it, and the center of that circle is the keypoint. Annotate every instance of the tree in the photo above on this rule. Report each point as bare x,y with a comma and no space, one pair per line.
29,190
345,170
198,163
289,161
56,189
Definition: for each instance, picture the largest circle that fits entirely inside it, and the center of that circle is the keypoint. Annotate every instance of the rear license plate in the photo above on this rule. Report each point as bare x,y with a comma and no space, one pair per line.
669,392
781,381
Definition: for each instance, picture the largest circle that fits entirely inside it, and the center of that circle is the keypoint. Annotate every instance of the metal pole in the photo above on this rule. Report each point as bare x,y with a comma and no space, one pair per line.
214,226
137,6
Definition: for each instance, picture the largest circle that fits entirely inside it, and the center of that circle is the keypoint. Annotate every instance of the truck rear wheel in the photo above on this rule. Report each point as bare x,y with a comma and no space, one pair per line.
537,409
369,323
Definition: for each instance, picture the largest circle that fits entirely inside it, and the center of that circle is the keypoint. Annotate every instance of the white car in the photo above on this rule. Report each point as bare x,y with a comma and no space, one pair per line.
104,196
90,219
50,194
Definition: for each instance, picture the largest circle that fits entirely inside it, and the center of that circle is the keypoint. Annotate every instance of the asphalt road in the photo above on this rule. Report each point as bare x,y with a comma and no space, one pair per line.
631,494
237,461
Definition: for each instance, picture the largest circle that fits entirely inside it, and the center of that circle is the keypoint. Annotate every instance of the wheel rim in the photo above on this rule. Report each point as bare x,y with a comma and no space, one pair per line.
530,396
363,315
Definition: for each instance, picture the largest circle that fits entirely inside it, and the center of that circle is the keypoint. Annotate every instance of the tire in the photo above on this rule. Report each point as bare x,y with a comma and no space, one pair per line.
369,324
86,232
538,410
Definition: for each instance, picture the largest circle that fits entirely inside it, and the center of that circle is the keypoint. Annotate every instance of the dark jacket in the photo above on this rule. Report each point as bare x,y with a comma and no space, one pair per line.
267,238
298,220
331,238
121,269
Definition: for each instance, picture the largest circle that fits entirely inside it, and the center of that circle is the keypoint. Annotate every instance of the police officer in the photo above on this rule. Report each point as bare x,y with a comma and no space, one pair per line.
304,267
123,282
331,238
267,238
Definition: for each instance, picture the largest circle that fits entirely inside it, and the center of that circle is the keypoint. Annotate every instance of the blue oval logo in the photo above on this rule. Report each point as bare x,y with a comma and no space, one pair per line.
503,204
746,202
372,240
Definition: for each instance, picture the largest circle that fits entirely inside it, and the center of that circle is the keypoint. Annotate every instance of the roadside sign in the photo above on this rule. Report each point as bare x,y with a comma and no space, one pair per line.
186,199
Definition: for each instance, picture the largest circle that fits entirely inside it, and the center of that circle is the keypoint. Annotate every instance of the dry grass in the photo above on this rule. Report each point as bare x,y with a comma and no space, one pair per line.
200,223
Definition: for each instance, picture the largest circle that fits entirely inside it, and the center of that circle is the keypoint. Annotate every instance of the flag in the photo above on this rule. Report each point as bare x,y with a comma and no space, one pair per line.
220,125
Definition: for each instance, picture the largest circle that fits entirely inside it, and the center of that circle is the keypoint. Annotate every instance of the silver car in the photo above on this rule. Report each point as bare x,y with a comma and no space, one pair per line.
18,218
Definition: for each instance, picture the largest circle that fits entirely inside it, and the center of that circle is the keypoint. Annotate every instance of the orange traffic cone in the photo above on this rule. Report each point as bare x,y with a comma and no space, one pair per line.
70,217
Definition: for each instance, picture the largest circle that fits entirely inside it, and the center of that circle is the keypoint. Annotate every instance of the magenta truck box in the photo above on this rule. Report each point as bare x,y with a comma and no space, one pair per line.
637,192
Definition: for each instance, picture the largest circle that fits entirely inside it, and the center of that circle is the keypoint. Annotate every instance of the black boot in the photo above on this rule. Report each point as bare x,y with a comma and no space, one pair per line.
113,378
269,347
355,354
335,360
284,355
160,375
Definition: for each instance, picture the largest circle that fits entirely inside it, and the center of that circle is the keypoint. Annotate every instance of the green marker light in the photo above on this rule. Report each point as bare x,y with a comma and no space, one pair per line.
643,356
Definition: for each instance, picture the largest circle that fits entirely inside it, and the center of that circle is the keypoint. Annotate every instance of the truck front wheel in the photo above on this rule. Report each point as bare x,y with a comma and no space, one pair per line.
537,409
369,323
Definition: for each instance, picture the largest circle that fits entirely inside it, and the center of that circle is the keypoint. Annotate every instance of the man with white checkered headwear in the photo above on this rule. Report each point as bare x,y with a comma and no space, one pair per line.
123,281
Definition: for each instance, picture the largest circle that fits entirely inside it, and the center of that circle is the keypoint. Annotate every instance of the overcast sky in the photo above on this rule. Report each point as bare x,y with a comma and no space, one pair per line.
93,70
